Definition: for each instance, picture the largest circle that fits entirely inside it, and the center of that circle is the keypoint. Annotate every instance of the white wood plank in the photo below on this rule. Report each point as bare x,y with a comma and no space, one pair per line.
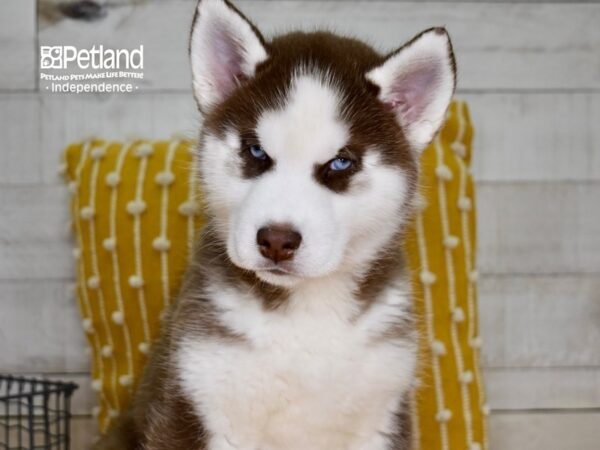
535,137
543,388
540,321
71,118
40,330
18,45
499,46
20,158
34,213
536,228
36,260
545,431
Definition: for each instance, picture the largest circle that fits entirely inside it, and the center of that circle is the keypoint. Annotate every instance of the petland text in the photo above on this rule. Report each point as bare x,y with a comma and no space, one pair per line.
97,57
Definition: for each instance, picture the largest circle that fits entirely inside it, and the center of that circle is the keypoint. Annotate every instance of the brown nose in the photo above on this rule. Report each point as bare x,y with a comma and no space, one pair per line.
278,242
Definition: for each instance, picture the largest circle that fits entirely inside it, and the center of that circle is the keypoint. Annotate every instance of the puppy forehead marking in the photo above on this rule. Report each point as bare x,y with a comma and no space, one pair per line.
308,127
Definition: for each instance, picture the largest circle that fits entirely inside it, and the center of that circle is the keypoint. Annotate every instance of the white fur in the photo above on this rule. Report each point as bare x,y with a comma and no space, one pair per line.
420,106
223,47
308,377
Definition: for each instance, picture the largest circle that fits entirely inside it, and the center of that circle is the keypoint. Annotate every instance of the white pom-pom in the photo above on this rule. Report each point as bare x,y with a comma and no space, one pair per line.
485,409
427,278
95,411
107,351
144,150
451,241
458,315
161,244
438,348
476,342
144,347
98,153
125,380
473,276
86,213
88,325
76,253
459,148
188,208
113,413
443,172
112,179
475,446
117,317
93,282
466,377
420,202
443,416
164,178
135,281
136,207
465,204
97,384
109,244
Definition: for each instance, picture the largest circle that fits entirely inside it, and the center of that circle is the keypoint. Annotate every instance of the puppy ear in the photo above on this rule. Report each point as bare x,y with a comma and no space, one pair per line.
417,83
225,49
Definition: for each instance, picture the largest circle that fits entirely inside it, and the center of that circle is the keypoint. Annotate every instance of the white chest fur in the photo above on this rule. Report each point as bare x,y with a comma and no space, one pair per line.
305,377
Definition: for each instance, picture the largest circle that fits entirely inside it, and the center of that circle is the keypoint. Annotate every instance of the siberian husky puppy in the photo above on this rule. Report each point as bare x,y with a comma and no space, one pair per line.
293,329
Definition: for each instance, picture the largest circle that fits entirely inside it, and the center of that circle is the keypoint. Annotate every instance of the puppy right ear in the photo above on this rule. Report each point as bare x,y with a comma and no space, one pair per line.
225,49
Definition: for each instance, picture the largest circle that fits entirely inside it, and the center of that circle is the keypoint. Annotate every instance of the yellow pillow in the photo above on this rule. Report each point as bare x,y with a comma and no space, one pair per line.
136,213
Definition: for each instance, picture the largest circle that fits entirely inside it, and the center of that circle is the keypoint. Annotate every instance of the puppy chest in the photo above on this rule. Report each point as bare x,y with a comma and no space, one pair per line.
325,381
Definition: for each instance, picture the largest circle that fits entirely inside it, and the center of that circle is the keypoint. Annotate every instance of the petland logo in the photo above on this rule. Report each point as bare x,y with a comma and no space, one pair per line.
66,69
60,57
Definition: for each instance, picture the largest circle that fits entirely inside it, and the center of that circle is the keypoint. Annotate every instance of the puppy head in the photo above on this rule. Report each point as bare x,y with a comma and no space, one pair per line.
310,141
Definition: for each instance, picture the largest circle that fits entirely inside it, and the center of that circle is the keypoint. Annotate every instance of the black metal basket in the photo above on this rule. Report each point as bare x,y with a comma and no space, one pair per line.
34,413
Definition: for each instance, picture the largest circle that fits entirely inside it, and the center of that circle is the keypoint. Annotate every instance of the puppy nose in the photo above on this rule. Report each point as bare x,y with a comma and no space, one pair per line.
278,242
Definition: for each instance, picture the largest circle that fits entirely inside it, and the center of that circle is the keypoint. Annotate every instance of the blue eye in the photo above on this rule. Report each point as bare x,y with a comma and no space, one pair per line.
339,164
257,152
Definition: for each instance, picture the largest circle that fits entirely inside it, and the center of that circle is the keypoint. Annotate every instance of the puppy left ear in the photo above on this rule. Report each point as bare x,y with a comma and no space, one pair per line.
417,83
225,49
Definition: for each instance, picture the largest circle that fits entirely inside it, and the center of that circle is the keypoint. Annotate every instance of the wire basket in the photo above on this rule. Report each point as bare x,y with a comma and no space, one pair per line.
34,413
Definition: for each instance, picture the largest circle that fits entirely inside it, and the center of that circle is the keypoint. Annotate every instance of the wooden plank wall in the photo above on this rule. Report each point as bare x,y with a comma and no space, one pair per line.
531,75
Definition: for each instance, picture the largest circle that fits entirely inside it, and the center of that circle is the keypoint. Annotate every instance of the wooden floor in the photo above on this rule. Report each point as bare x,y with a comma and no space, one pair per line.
531,75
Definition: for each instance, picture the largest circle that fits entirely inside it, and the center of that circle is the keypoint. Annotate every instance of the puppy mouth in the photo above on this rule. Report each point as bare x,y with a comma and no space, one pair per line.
278,272
278,269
